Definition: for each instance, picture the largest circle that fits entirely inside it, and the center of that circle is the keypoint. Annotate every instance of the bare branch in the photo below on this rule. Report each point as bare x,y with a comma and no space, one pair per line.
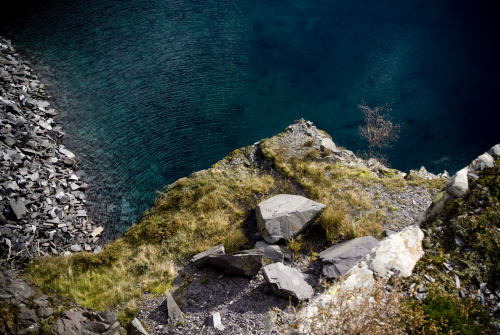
378,130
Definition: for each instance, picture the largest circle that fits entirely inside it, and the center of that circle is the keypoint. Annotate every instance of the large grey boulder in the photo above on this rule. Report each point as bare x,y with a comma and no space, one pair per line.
287,282
244,263
285,215
201,259
341,257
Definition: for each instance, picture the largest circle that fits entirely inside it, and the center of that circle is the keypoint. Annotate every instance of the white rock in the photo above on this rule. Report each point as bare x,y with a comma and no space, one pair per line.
399,251
458,185
214,320
495,151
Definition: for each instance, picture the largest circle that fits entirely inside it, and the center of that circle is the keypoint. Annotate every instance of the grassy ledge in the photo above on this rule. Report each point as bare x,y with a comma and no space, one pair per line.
216,206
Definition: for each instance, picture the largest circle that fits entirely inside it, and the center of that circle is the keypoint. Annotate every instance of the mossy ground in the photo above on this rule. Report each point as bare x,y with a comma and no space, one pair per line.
466,235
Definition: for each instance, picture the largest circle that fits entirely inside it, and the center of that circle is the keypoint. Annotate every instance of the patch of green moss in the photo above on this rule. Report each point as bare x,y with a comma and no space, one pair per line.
442,313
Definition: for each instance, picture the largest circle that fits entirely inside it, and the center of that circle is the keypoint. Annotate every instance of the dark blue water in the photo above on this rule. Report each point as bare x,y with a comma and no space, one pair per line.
150,91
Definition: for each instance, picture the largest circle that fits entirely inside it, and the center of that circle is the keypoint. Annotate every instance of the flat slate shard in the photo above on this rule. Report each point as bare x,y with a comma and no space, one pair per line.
18,208
175,314
340,258
244,263
215,321
285,215
287,282
201,259
136,328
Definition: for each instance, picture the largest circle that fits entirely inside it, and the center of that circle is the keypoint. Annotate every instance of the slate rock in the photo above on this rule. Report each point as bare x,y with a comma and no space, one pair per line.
287,282
285,215
244,263
485,160
341,257
175,314
18,208
271,252
201,259
215,321
45,312
70,323
95,327
75,248
136,328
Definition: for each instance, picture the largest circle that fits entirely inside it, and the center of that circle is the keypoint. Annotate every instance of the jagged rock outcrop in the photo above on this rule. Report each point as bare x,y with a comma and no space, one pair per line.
458,185
287,282
285,215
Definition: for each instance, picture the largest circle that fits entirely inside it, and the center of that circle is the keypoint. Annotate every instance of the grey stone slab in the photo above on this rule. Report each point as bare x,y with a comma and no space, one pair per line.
136,328
201,259
285,215
341,257
18,208
175,314
287,282
244,263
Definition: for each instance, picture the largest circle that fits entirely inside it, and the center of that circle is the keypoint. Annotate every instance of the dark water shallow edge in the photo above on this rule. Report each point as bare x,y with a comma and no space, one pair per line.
233,80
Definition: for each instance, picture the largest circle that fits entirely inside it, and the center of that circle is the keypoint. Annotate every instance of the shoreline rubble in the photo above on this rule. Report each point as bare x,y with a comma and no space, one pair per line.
43,206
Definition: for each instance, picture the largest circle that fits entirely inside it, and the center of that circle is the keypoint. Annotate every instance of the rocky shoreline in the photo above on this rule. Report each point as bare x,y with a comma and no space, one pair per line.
43,207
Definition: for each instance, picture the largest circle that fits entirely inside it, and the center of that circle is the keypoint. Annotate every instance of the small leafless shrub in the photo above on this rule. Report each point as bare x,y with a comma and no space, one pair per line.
378,130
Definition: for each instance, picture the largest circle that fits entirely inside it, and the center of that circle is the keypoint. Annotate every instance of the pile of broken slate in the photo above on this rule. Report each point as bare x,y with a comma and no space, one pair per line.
42,192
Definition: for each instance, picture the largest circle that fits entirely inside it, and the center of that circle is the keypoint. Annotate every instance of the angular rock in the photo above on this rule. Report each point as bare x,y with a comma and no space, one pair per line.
400,251
495,151
244,263
175,314
340,258
136,328
285,215
214,321
485,160
18,208
95,327
97,231
271,252
458,185
75,248
201,259
287,282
